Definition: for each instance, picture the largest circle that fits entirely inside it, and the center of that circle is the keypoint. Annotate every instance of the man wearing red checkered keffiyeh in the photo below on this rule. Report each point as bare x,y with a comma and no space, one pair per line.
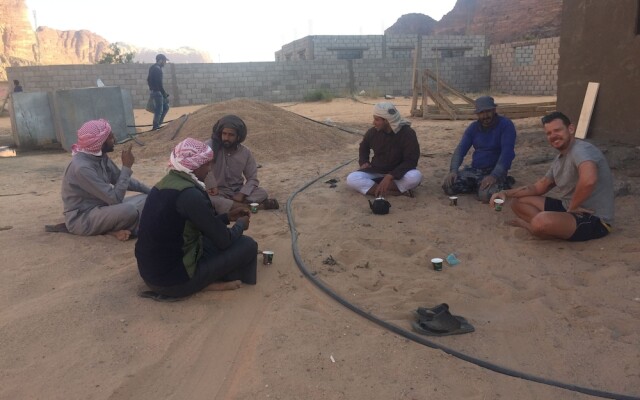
188,156
184,246
94,188
92,135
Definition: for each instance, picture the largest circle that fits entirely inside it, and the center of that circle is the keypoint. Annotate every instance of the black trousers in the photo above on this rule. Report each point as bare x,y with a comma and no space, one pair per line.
238,262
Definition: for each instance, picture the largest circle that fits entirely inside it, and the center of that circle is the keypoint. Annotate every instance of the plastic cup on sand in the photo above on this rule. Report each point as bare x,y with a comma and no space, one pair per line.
437,264
267,257
453,200
498,204
254,207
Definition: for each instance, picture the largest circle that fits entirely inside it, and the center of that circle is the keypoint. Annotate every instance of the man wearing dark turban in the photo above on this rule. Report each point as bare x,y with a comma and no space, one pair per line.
233,181
93,187
183,245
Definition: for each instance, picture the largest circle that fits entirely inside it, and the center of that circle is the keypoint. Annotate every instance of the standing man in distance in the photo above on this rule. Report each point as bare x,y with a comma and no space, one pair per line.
158,95
582,177
493,138
392,169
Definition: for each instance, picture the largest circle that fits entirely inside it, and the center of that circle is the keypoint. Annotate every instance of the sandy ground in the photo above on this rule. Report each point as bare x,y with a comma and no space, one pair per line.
73,327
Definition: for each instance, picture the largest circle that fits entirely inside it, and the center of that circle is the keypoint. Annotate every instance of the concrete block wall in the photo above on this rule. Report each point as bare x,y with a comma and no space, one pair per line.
381,46
190,84
401,41
293,51
526,68
325,46
475,44
394,77
465,74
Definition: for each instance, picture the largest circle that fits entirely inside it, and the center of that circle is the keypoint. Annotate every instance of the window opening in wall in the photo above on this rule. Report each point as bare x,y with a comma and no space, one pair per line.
349,54
451,53
523,55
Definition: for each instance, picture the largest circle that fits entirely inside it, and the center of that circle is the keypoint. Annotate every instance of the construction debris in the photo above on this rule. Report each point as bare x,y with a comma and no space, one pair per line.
451,104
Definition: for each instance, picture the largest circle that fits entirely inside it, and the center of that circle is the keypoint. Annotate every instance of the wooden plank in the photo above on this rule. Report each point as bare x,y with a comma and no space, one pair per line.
587,109
437,98
416,57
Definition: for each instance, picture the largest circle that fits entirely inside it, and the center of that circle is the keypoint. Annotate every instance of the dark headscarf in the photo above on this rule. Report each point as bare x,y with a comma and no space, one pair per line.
228,121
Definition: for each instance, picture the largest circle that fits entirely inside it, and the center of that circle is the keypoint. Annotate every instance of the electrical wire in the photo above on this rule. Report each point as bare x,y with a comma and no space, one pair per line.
412,336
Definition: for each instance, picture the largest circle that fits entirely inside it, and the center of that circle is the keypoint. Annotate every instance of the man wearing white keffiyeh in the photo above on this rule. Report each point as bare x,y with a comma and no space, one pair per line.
392,168
183,245
94,188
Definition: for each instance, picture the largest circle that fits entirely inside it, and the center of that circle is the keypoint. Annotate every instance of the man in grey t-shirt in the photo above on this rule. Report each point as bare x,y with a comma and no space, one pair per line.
583,180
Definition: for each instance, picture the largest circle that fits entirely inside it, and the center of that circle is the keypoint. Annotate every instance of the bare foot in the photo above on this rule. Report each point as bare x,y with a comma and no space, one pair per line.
518,223
524,233
219,286
122,235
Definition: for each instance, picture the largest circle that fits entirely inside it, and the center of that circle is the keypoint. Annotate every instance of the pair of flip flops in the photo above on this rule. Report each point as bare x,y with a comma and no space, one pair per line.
438,321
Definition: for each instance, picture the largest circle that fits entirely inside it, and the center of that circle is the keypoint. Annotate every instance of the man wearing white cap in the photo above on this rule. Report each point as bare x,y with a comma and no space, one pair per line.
493,138
93,187
392,169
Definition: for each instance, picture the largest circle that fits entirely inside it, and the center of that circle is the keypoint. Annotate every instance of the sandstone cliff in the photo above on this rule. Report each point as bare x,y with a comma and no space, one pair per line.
69,47
500,20
46,46
16,35
503,21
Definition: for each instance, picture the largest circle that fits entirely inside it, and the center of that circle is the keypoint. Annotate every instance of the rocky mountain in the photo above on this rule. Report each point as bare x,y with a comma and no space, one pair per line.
418,24
55,47
47,46
501,21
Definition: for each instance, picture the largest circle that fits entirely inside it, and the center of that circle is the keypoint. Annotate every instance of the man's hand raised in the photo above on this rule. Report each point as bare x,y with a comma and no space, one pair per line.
127,157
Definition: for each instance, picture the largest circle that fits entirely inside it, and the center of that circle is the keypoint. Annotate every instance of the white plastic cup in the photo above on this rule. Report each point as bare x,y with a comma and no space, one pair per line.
437,264
498,204
267,257
254,207
453,200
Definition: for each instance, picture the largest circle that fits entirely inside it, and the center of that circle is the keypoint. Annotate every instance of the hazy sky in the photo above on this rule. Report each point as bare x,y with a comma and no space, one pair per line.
232,30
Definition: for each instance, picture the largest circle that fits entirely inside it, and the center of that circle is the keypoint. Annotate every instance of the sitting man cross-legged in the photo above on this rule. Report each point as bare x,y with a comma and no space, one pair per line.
233,179
582,177
94,188
493,138
183,245
396,151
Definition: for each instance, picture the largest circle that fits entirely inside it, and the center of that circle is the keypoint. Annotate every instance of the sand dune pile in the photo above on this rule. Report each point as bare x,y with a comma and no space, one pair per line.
273,133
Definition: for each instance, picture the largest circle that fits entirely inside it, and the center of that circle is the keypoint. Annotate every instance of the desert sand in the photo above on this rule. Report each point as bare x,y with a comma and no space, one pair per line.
73,327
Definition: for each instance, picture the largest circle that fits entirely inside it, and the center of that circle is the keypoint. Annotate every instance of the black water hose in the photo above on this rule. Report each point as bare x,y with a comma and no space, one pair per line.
417,338
163,123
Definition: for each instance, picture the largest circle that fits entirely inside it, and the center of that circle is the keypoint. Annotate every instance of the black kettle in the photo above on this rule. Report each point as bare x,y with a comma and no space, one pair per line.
380,206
